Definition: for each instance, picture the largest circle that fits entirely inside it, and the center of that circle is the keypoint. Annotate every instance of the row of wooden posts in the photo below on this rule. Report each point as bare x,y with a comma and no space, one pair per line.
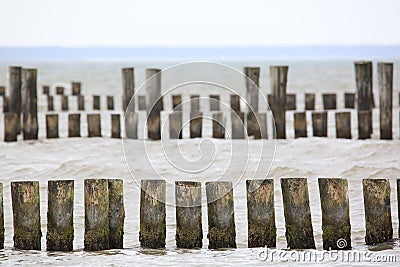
105,213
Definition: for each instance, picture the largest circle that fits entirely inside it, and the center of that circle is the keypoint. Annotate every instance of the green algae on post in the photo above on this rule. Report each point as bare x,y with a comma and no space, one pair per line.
116,213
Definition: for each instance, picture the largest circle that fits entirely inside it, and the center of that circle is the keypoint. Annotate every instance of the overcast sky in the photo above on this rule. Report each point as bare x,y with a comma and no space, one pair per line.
199,23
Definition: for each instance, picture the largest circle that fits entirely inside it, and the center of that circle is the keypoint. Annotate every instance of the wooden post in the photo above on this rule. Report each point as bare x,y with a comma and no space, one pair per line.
60,215
189,232
214,102
76,88
237,121
154,103
94,125
278,78
30,126
310,101
1,217
81,102
52,126
398,202
343,124
46,90
385,79
335,213
59,90
110,102
290,102
177,102
196,124
116,213
365,99
296,207
64,103
364,124
10,127
378,219
349,100
261,213
74,125
329,101
253,128
194,103
175,125
320,124
235,103
128,85
142,102
115,126
50,103
96,102
97,228
14,103
300,124
2,90
152,214
6,104
218,125
221,218
131,125
252,85
26,214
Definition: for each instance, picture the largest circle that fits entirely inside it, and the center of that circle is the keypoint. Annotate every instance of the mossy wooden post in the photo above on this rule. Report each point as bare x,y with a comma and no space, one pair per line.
189,231
378,218
10,127
64,103
320,124
221,218
349,100
59,90
128,87
81,102
142,102
50,103
278,79
1,217
194,103
94,125
218,125
196,124
30,126
14,103
177,102
237,122
310,101
154,103
110,102
364,124
76,88
26,214
97,226
300,124
60,215
74,125
385,80
343,125
116,213
175,125
329,101
152,214
290,102
46,90
214,102
296,207
96,102
52,126
235,103
252,85
115,126
261,213
131,125
365,99
335,213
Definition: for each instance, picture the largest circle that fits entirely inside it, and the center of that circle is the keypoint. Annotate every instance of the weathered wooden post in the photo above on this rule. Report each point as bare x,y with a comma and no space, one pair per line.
116,213
97,230
10,127
152,214
131,125
260,131
329,101
74,125
50,103
385,79
214,102
1,217
189,232
300,124
364,124
378,219
26,214
261,213
52,125
154,103
252,126
6,100
59,90
235,103
14,103
177,102
290,102
196,124
310,101
365,99
115,126
398,202
128,85
278,78
175,125
343,124
94,125
2,90
252,84
46,90
237,121
349,100
142,102
296,207
64,103
81,102
96,102
221,218
30,126
110,102
76,88
218,125
60,215
194,103
335,213
320,124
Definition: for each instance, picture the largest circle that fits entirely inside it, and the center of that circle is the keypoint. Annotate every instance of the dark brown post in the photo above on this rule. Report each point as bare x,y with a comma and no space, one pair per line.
398,202
30,126
196,124
128,85
96,102
74,125
335,213
14,103
259,125
46,90
235,103
59,90
116,213
81,102
218,125
10,127
296,207
177,102
154,103
252,84
94,125
110,102
310,101
1,217
237,122
378,218
50,103
26,214
142,102
6,100
175,125
131,125
343,125
261,213
52,125
194,103
329,101
320,124
365,99
221,218
364,124
278,76
385,79
115,126
152,214
60,215
290,102
64,103
189,232
214,102
76,88
349,100
300,124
